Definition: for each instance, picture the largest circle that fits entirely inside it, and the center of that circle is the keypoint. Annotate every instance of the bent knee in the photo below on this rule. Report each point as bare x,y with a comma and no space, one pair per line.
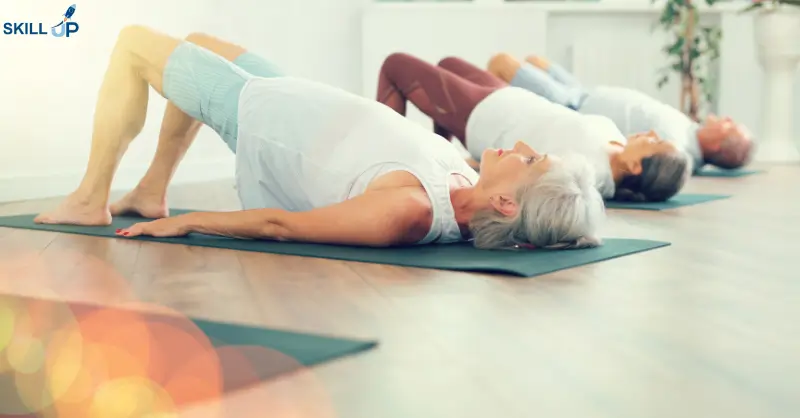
534,58
199,38
398,59
503,65
133,34
502,59
449,62
395,63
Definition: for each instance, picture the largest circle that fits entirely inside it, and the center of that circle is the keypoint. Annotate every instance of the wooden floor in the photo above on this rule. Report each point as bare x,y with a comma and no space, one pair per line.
708,327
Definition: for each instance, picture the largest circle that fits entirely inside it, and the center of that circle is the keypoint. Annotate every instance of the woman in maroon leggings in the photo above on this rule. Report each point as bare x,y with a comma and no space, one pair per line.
484,112
447,93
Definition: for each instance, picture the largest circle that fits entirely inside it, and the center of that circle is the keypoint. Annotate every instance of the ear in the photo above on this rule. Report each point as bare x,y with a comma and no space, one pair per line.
504,204
633,166
714,146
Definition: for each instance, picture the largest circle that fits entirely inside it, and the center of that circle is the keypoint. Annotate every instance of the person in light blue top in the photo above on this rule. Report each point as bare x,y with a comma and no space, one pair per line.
715,141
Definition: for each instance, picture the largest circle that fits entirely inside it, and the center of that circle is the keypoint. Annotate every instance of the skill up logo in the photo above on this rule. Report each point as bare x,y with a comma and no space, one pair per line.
64,28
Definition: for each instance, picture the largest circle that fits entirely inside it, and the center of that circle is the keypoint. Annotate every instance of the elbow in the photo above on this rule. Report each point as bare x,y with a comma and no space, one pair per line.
278,228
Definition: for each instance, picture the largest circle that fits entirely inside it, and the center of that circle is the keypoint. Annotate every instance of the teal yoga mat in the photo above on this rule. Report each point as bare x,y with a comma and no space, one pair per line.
245,355
678,201
459,257
715,172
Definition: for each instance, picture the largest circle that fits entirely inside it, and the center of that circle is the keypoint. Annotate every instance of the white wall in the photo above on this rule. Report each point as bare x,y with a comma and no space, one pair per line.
611,42
48,86
439,32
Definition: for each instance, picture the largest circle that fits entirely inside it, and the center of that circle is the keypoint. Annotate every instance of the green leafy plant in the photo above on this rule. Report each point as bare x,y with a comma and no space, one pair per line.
691,52
769,4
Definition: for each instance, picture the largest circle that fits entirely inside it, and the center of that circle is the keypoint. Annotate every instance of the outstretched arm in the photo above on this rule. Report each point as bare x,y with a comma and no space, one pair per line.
377,219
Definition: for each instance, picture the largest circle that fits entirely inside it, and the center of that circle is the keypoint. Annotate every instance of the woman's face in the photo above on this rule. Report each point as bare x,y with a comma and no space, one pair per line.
644,145
503,171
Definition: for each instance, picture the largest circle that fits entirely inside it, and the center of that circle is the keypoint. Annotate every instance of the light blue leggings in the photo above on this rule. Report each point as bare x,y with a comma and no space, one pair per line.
555,84
207,86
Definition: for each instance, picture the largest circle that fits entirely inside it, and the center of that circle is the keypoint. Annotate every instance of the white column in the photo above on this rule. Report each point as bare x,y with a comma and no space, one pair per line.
776,142
778,47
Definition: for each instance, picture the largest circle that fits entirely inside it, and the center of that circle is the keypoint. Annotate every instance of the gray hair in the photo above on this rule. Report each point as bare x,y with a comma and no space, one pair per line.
735,151
561,209
663,176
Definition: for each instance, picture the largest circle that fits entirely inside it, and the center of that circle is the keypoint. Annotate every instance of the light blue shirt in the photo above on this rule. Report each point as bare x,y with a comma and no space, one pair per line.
635,112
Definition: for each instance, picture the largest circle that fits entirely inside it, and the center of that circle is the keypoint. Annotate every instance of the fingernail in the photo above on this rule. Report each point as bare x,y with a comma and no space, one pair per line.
119,230
125,233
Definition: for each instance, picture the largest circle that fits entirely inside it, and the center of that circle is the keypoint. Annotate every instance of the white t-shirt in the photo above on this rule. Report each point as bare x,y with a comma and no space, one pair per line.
304,145
514,114
635,112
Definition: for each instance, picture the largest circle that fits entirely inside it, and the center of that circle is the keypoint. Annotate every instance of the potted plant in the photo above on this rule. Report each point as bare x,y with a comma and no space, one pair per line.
691,52
776,27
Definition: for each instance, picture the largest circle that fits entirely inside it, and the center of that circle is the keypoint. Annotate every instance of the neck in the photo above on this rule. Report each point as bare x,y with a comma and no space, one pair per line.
617,169
463,200
704,138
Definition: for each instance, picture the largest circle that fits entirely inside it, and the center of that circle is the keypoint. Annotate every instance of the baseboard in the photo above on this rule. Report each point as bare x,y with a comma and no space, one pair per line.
28,187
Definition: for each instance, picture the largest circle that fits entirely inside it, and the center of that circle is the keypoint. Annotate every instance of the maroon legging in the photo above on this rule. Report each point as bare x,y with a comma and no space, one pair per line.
447,93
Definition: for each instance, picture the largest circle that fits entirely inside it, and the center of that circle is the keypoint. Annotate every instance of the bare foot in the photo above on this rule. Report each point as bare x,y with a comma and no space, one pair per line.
146,205
76,211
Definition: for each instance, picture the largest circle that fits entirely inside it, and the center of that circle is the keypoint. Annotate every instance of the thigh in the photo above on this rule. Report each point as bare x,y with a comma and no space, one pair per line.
258,66
538,81
437,92
471,72
149,50
206,87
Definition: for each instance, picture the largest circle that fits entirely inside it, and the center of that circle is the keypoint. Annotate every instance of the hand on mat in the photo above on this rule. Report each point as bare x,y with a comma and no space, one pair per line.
175,226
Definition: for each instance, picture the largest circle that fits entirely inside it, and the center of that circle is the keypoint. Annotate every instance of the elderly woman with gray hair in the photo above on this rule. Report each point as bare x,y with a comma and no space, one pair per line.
484,112
314,163
715,141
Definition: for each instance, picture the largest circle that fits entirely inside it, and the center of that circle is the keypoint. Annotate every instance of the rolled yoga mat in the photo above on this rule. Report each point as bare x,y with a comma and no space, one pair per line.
209,356
458,257
678,201
716,172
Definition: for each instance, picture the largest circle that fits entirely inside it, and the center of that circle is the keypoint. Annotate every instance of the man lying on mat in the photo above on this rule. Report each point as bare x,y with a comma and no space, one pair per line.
315,163
483,112
716,141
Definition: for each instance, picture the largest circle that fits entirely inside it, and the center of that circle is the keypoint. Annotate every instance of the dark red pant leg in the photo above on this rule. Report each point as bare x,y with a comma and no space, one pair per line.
471,73
442,95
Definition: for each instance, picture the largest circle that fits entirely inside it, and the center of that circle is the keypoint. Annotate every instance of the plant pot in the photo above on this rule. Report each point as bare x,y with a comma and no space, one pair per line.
777,35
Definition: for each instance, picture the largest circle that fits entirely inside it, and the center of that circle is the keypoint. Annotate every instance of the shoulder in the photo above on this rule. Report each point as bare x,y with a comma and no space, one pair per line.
411,213
415,205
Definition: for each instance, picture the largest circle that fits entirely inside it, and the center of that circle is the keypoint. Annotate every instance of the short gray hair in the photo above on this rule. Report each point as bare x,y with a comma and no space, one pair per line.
735,151
561,209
